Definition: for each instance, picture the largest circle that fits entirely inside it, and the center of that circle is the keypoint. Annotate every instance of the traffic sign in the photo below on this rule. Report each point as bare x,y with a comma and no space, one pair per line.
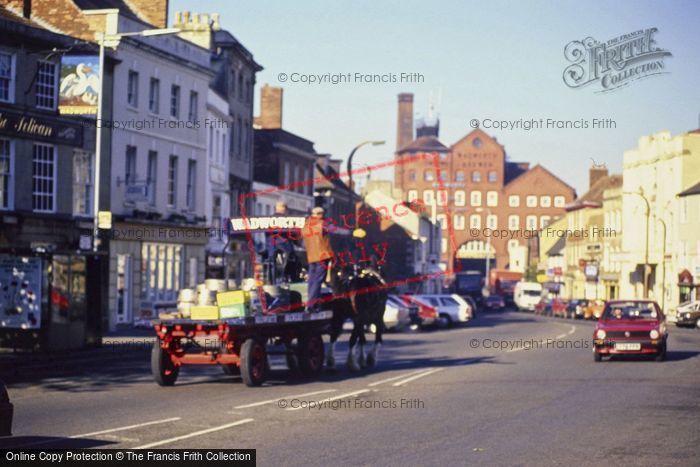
104,220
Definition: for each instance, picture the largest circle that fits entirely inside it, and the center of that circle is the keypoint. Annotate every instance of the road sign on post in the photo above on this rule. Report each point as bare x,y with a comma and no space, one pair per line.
104,220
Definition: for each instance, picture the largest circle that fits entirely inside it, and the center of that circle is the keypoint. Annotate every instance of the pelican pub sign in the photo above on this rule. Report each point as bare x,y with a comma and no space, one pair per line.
80,85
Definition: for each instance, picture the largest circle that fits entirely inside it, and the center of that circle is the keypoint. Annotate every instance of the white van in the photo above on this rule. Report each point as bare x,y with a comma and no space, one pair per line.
527,294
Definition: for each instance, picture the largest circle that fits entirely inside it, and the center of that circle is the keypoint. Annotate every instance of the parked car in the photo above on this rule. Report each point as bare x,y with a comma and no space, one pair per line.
452,309
427,314
594,309
527,295
688,314
397,313
558,307
472,303
634,327
576,307
542,307
494,302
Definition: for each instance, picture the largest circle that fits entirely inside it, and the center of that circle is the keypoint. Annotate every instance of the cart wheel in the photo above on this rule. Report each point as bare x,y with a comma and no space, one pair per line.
253,362
232,370
164,370
311,354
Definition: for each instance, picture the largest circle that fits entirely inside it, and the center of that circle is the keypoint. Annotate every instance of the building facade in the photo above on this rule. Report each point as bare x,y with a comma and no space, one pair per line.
158,153
474,184
591,239
217,198
234,79
50,288
655,172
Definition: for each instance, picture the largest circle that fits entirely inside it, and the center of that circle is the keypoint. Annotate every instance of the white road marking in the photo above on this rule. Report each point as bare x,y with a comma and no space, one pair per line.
193,434
129,427
572,330
560,336
330,399
420,375
394,378
270,401
111,430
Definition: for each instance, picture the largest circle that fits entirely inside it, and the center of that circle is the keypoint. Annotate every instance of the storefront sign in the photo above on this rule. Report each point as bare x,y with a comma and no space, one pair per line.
20,292
40,128
80,85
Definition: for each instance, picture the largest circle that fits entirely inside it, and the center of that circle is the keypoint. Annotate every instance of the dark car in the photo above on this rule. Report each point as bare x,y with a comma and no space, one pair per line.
494,302
627,327
576,307
688,314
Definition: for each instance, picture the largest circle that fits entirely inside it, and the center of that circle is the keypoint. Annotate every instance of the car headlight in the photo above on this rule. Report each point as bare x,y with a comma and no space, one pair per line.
600,334
687,315
654,334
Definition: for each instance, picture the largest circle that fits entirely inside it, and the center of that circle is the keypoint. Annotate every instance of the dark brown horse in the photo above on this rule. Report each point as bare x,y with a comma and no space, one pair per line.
359,295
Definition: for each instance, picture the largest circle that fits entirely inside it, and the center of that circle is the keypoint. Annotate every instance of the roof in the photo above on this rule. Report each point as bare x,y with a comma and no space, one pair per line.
693,190
424,144
539,167
121,5
224,38
558,246
594,196
15,26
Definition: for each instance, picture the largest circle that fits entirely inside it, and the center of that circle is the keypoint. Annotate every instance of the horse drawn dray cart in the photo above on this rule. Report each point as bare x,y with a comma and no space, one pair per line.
239,345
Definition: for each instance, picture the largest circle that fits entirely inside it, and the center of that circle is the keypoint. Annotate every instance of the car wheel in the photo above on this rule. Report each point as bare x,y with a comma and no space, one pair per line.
697,323
597,357
445,321
661,356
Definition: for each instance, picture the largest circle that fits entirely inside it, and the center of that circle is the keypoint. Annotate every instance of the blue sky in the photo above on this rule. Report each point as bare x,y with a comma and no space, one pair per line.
496,59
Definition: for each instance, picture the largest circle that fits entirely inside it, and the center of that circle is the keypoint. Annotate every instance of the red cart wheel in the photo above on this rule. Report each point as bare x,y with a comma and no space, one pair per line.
164,370
311,353
254,364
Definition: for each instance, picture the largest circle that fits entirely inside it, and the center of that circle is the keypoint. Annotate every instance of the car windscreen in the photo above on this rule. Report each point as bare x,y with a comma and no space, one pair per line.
448,301
532,293
630,310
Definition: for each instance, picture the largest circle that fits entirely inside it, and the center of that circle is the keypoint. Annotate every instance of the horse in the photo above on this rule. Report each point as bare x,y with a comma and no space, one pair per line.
360,295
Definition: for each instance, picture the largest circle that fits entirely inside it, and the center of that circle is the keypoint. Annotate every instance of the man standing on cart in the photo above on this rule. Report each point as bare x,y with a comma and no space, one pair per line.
318,253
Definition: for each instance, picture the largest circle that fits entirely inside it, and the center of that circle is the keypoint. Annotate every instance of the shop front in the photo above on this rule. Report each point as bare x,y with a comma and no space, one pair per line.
149,264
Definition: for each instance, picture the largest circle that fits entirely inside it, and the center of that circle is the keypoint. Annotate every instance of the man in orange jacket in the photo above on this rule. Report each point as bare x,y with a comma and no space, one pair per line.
318,253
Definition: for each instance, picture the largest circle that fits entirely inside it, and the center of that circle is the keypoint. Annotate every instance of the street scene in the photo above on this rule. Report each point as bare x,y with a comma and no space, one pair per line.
304,234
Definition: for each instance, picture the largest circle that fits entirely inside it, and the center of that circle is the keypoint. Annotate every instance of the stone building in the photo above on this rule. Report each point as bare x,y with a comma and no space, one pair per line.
473,182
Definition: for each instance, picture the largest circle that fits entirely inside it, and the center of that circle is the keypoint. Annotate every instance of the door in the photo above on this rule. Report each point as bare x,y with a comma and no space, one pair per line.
124,289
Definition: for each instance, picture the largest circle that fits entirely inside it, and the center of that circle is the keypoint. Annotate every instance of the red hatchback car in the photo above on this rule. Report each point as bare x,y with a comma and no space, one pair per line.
630,327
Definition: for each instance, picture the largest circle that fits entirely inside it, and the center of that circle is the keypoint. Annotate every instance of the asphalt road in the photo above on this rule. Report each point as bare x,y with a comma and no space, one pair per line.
440,397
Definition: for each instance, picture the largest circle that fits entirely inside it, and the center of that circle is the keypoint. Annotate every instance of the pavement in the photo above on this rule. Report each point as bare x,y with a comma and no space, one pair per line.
508,388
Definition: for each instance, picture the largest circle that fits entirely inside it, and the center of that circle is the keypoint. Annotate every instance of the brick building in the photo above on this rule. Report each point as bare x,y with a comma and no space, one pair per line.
474,183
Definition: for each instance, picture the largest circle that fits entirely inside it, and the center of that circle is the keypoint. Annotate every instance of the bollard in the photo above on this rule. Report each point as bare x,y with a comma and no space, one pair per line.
6,410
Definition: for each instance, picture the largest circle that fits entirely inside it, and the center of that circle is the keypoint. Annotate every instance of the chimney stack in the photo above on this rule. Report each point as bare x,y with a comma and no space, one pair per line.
270,107
404,127
596,173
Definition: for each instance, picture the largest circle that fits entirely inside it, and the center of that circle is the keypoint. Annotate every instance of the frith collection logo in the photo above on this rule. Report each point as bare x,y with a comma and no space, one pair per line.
615,63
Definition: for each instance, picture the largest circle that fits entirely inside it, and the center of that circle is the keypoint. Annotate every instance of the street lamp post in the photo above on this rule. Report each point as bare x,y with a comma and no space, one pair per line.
663,263
646,246
113,41
352,154
488,244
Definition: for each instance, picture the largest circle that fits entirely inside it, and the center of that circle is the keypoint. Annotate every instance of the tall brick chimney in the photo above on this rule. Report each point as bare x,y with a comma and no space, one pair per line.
270,107
404,124
595,173
154,12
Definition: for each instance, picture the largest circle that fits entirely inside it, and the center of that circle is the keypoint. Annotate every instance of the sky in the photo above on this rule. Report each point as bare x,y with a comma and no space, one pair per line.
496,60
